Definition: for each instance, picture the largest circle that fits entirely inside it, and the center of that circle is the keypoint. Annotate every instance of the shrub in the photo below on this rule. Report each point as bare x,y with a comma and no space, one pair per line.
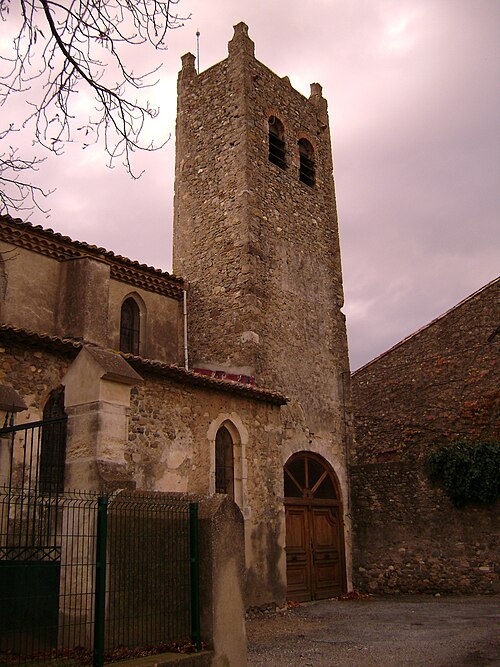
468,472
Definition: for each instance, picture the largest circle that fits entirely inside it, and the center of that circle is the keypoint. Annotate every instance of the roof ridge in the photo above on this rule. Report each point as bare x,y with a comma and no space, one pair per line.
48,231
427,326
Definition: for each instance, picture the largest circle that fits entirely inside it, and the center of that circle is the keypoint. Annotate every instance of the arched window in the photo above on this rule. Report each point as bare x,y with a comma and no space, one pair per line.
277,142
130,326
307,172
309,476
224,462
53,445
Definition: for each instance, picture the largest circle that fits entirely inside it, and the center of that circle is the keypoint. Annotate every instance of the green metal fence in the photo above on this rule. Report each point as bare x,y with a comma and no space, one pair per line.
87,579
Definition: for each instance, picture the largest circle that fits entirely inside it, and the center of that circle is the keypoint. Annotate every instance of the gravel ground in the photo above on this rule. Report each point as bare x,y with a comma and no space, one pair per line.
379,632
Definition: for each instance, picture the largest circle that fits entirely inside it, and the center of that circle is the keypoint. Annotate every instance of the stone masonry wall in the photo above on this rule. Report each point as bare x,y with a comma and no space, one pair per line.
410,539
259,248
33,372
171,447
438,385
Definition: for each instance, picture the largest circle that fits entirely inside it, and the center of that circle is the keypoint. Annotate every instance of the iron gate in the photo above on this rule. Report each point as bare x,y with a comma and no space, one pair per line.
32,470
85,576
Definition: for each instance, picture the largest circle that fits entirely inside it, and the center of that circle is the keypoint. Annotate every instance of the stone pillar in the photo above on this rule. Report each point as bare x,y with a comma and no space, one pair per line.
97,399
222,568
97,402
10,403
84,300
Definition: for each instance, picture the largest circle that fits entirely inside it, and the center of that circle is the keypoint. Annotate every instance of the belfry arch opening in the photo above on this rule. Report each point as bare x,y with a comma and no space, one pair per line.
277,154
315,555
307,168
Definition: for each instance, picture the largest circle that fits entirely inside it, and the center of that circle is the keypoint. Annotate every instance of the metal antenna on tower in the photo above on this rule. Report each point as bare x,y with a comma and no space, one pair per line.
198,50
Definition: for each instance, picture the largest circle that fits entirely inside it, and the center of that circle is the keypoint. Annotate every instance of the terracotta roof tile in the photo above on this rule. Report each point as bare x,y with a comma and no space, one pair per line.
181,374
48,242
140,364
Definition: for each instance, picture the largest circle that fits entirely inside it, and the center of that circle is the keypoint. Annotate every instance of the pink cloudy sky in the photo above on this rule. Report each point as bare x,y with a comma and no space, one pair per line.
413,94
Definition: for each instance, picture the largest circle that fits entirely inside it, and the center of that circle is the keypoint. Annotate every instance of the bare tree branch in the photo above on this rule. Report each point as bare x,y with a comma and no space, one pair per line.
63,48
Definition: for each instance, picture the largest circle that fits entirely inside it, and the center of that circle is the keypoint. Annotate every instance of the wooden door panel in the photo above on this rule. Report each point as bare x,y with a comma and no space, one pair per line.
296,537
325,534
325,528
298,558
314,530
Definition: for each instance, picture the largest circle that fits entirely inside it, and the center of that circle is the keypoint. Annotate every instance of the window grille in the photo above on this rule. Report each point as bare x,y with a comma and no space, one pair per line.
307,171
277,142
53,445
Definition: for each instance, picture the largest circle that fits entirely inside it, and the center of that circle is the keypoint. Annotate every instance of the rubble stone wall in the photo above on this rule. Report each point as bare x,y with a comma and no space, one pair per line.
440,384
409,538
172,448
434,387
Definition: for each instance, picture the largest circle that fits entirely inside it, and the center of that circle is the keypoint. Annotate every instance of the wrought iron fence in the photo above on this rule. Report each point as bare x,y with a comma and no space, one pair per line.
87,578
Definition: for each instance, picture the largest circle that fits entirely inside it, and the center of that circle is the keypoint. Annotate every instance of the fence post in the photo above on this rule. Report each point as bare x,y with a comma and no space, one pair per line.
100,581
195,575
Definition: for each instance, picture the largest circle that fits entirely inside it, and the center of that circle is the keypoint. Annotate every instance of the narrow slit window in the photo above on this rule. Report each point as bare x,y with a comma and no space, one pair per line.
130,326
307,170
277,142
224,462
53,445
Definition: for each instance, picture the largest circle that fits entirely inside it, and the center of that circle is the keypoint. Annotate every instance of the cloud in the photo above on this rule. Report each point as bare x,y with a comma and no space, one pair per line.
414,107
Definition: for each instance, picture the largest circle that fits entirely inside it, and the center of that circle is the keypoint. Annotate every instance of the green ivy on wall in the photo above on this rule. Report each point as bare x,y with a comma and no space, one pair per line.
469,472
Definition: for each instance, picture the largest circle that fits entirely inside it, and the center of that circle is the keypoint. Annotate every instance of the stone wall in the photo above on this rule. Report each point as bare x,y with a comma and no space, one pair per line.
33,371
172,447
438,385
259,248
171,444
410,539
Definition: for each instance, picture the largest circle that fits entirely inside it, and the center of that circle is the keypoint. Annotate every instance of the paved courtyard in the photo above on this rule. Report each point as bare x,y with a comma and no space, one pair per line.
380,632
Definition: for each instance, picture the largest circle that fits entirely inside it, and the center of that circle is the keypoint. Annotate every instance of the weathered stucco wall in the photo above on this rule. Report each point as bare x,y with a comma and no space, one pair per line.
84,300
161,322
436,386
27,303
77,298
172,447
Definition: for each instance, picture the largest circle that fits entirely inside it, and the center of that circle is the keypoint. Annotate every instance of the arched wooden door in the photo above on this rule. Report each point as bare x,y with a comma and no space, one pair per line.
315,563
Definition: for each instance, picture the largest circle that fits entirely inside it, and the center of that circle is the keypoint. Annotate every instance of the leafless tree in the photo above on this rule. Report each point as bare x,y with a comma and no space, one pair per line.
64,47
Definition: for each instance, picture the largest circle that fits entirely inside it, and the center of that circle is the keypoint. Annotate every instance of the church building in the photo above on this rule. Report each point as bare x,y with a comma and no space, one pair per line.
230,376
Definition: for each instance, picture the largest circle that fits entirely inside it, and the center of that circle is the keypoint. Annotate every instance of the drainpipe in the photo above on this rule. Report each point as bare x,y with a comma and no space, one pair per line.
185,317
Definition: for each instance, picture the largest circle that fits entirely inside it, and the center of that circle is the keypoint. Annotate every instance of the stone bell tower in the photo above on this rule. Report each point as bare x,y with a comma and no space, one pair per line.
256,236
